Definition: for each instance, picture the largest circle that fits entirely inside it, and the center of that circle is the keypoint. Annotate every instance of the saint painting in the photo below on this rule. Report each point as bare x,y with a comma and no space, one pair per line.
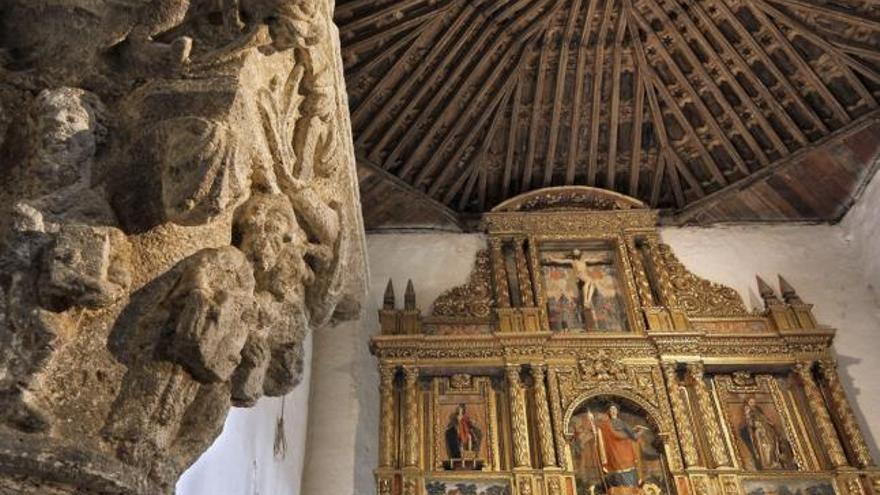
615,453
765,440
582,290
462,435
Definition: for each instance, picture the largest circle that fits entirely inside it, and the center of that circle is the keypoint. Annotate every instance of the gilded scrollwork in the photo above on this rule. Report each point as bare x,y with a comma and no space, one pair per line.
697,296
473,299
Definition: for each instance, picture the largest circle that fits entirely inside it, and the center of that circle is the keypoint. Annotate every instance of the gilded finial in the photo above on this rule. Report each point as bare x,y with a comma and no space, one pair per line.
788,293
409,297
388,299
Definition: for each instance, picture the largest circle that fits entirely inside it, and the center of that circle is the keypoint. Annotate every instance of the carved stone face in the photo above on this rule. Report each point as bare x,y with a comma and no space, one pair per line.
265,224
68,132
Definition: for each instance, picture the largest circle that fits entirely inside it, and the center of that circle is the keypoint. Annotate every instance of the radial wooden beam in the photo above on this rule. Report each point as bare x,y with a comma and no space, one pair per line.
596,105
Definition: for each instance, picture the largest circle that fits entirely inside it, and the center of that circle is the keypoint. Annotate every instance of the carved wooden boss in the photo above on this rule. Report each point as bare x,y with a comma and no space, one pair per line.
582,357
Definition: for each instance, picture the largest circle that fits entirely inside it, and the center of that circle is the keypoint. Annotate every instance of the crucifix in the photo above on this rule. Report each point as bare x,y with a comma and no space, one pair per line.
586,286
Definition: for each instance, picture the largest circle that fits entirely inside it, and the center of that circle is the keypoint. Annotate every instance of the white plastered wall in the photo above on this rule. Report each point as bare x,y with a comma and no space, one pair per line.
830,266
242,460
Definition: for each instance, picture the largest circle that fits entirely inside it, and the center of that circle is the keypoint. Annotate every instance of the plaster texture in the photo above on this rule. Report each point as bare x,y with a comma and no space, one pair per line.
829,265
861,227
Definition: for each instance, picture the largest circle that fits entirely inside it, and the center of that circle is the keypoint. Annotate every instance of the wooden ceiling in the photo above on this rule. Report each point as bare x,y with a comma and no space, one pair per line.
712,110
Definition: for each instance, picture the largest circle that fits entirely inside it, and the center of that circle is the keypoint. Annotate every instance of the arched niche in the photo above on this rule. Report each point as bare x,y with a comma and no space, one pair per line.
616,442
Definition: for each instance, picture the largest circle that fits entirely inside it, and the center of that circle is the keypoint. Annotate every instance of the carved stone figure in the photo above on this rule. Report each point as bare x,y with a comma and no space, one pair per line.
178,210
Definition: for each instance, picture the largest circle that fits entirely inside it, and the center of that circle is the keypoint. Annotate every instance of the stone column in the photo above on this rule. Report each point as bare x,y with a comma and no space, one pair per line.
709,418
844,413
545,428
682,419
556,412
386,422
521,458
411,426
827,432
179,212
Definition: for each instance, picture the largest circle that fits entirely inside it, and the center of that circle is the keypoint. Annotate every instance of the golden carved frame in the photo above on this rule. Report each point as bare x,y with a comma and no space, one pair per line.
690,341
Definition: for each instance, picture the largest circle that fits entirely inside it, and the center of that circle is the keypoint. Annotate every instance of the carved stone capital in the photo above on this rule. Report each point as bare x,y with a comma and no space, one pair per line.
181,211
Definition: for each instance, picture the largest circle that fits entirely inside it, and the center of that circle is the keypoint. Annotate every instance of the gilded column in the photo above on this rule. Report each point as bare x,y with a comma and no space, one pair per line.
827,432
518,418
664,284
522,274
499,274
844,414
682,420
411,416
545,428
643,285
556,412
386,426
695,373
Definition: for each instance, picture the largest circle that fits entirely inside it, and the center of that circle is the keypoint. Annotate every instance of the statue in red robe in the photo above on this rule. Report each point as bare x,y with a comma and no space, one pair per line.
619,451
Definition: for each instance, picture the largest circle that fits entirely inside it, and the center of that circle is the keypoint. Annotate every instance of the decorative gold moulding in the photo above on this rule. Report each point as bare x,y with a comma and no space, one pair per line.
576,306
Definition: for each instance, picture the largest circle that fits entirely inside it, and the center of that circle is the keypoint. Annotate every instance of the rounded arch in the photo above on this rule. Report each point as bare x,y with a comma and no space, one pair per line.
652,414
570,198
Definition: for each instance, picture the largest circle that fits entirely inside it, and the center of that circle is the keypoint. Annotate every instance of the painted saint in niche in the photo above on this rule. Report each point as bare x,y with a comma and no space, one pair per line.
614,453
582,290
462,435
767,444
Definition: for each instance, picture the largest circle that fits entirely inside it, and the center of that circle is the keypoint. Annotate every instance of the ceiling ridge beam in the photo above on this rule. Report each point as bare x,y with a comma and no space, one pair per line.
418,73
526,182
501,95
759,50
697,66
744,97
614,116
652,84
521,41
638,122
829,47
389,11
595,106
473,49
510,151
685,85
819,84
562,70
579,81
777,109
827,141
827,10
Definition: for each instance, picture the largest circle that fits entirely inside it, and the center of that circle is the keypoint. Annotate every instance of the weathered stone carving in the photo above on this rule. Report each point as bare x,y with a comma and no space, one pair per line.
178,209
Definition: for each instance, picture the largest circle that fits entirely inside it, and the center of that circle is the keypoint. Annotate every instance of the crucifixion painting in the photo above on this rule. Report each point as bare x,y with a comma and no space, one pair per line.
582,292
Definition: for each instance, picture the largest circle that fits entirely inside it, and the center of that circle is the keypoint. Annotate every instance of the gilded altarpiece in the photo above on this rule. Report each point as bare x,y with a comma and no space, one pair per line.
582,358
